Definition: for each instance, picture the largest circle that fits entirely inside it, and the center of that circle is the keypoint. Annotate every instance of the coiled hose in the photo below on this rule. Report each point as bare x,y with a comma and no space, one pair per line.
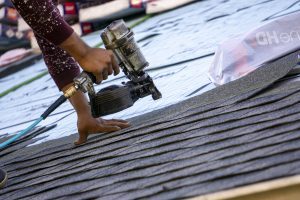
53,107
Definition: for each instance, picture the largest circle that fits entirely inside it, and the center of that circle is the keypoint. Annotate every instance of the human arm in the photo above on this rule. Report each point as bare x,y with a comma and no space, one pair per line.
58,41
98,61
86,124
44,18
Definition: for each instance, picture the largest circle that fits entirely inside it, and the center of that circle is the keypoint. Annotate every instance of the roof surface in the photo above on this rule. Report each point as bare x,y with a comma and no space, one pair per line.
244,132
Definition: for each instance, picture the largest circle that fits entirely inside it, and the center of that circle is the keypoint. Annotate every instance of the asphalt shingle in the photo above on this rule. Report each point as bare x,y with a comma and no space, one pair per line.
240,133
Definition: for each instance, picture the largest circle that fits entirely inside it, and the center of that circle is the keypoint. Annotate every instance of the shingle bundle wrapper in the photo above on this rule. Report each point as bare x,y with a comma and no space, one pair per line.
239,56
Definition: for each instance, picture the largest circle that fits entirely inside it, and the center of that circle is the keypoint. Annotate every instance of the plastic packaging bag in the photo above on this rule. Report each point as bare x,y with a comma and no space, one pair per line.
239,56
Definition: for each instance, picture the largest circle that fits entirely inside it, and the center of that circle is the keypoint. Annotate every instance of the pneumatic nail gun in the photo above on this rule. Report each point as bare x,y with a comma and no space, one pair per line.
120,39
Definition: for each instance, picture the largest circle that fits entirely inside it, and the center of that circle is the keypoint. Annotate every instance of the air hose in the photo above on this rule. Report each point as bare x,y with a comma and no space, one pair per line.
53,107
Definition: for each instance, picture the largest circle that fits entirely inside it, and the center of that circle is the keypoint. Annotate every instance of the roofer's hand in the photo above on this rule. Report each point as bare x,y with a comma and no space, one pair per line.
88,125
100,62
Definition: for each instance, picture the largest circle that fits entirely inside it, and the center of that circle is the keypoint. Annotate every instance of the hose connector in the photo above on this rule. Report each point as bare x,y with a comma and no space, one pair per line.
70,91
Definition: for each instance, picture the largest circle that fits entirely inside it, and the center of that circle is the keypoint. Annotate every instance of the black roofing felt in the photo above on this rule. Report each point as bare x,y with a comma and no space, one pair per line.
241,133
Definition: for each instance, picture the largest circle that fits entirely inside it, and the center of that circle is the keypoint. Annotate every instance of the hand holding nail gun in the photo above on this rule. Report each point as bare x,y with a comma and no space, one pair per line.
118,38
122,52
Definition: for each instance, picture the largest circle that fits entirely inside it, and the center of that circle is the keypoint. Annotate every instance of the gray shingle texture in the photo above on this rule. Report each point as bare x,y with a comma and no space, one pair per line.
241,133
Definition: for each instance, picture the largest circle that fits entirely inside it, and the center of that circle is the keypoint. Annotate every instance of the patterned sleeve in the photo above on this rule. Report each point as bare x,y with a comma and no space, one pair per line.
45,19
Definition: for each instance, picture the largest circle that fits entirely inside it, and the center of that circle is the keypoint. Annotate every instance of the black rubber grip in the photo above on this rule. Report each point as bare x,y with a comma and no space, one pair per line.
55,105
91,75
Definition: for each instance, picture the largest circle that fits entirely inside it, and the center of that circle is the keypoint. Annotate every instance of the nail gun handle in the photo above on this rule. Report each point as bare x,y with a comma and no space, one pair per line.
91,75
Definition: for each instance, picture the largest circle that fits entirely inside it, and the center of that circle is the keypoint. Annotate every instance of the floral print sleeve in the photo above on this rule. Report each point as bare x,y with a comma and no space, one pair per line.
50,30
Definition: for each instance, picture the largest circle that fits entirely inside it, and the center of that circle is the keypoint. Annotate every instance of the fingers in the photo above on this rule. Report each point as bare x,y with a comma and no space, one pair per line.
82,138
118,120
99,78
115,65
108,128
105,74
110,70
105,66
120,123
101,128
106,70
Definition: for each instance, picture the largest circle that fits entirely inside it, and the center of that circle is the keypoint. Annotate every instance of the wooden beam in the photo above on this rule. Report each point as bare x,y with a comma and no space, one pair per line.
279,189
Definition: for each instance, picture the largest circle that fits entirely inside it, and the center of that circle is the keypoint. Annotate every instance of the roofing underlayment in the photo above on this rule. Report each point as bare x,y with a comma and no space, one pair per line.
241,133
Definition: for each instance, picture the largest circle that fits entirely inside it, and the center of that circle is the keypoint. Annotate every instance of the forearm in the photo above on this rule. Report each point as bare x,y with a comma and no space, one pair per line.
61,66
80,103
75,46
44,18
